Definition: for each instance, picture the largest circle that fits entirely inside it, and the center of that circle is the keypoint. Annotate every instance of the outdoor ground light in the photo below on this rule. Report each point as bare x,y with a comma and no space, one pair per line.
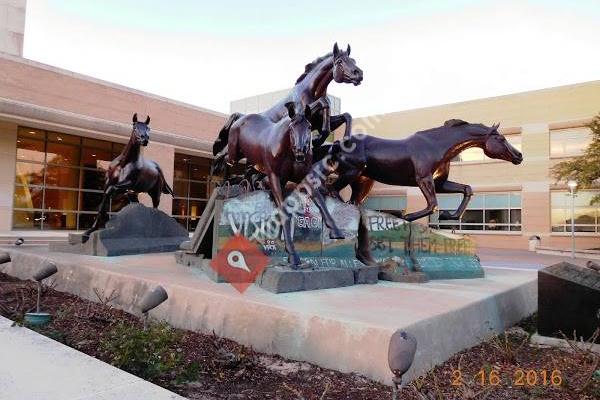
401,354
152,300
41,318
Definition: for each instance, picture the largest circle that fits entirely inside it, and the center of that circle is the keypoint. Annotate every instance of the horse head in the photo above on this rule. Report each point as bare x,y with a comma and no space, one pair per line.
141,131
300,131
496,146
344,67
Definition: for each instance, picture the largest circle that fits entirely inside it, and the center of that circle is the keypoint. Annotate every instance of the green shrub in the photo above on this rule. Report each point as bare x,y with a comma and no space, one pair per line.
149,354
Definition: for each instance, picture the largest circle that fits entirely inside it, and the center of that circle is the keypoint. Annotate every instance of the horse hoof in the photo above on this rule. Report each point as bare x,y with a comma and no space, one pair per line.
445,215
366,259
294,262
336,235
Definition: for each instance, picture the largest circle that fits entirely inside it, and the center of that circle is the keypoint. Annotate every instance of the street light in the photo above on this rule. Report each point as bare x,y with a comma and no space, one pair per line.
572,186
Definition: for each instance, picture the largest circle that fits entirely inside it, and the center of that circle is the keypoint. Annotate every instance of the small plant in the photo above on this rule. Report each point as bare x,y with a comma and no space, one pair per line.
509,346
149,354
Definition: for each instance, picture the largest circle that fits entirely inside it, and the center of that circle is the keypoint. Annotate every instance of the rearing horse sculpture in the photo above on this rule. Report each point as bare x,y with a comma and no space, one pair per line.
130,173
283,152
422,160
311,90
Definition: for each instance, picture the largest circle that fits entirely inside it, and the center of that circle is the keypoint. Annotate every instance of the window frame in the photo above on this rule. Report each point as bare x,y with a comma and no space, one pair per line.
566,227
188,160
447,225
75,141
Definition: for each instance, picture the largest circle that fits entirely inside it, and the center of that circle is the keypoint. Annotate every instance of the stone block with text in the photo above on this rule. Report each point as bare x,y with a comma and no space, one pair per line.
332,262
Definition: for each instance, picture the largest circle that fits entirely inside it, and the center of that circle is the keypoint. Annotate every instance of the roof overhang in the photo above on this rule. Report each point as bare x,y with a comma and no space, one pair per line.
66,122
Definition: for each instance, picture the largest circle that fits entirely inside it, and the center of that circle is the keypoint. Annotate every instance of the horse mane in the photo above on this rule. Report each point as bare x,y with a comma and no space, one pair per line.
310,66
455,122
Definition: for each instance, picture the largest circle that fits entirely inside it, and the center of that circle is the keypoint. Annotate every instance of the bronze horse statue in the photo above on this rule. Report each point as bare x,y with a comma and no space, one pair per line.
422,159
311,90
283,152
129,173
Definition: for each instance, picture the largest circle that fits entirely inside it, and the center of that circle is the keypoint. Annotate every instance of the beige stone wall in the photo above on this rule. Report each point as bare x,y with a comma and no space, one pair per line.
532,115
557,104
42,85
8,154
12,26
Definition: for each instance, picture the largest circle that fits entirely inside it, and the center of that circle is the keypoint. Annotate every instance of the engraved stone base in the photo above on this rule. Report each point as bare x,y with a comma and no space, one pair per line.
395,270
568,301
136,229
404,277
320,273
450,267
278,279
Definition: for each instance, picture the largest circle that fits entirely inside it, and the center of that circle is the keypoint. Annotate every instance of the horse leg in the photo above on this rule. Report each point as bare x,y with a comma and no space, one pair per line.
155,193
428,189
132,197
334,122
101,217
313,183
454,187
274,183
337,120
322,104
362,249
232,148
334,231
343,180
361,186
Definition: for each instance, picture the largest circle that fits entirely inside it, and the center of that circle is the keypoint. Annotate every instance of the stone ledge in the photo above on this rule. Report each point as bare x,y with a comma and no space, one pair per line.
347,329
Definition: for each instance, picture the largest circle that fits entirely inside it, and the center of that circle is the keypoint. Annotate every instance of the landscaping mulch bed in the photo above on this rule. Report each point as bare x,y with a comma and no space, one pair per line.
209,367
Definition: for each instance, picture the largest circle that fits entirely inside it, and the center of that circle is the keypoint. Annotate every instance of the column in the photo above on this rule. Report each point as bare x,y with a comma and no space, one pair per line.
8,154
535,201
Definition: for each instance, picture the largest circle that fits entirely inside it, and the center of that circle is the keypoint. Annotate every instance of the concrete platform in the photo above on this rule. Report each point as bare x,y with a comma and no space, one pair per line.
346,329
35,367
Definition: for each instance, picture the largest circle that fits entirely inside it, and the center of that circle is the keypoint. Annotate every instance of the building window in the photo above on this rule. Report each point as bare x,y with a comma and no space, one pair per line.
587,216
569,142
486,212
386,203
191,187
476,154
59,179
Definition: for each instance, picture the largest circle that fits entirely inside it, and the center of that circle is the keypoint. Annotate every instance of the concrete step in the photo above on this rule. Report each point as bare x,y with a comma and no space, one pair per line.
34,237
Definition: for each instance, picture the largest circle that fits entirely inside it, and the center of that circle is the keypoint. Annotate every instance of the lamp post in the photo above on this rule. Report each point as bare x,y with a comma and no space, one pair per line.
572,186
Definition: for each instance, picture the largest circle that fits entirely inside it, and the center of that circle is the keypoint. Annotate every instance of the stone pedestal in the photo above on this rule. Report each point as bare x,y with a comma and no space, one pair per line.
568,301
136,229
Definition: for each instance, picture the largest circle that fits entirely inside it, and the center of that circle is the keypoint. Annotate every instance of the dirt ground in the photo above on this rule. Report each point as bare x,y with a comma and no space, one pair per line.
505,367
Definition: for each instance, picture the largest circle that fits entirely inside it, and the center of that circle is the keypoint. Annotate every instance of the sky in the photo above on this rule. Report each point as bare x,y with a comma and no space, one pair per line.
413,53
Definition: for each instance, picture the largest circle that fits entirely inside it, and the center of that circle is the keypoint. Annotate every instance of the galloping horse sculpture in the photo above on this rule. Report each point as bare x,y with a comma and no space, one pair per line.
422,160
283,152
130,173
311,90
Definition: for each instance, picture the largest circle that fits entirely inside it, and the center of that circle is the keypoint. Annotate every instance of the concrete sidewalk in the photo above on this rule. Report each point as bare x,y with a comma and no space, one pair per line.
33,366
521,259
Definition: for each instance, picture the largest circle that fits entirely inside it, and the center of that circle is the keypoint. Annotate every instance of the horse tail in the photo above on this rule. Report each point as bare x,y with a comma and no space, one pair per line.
221,141
166,189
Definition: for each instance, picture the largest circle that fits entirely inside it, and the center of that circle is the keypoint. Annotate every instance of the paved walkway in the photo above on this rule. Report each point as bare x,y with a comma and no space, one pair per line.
521,259
33,367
